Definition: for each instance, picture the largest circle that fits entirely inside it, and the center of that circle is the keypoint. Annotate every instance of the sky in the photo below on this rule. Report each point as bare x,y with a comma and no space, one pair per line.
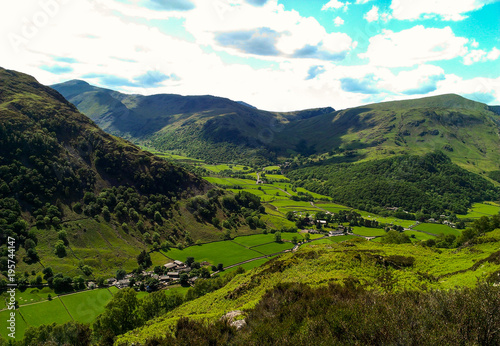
277,55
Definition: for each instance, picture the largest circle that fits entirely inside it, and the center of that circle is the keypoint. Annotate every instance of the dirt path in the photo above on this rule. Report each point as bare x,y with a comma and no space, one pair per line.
315,206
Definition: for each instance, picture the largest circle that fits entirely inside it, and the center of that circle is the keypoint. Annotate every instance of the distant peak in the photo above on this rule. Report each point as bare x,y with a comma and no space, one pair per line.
246,104
451,101
76,82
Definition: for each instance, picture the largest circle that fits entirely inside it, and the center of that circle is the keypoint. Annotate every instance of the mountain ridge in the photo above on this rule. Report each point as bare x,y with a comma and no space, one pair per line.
466,130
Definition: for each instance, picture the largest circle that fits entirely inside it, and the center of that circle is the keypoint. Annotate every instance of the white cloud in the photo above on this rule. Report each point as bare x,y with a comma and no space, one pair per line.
361,2
335,5
413,46
372,15
445,9
418,81
479,55
284,33
474,43
475,55
494,54
121,50
338,21
481,89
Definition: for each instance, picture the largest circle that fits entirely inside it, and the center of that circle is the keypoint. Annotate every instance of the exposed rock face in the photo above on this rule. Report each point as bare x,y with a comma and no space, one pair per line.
231,316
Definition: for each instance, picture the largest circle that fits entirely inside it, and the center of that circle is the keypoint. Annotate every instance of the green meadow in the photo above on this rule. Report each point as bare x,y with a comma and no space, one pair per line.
225,252
226,167
82,306
85,306
482,209
436,229
273,248
368,232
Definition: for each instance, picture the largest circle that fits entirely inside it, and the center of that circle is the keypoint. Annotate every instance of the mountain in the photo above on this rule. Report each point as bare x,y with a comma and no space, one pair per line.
43,133
206,127
467,131
73,195
218,129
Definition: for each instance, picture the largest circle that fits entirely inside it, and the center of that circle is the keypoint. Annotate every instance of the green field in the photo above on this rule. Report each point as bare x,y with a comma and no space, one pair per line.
277,222
275,177
482,209
418,235
436,229
334,239
368,232
254,240
85,306
226,167
30,295
20,325
45,313
225,252
248,265
289,236
388,220
230,181
315,195
272,248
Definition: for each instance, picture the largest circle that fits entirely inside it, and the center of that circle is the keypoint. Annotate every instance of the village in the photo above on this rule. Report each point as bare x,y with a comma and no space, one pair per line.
170,274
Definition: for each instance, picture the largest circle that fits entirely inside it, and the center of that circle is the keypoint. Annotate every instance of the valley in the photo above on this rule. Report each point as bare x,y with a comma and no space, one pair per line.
111,252
332,202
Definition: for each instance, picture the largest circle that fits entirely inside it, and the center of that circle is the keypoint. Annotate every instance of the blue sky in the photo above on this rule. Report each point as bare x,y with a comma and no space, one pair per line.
274,54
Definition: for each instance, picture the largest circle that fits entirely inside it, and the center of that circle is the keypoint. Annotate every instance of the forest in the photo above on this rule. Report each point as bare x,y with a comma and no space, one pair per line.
430,184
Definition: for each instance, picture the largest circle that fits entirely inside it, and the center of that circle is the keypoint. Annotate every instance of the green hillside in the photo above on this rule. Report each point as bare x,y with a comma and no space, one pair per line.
272,294
86,203
466,130
206,127
195,125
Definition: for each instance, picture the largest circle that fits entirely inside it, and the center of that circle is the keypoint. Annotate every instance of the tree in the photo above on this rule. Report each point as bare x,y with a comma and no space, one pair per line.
105,213
62,283
189,261
29,244
60,249
205,273
119,316
87,270
220,267
277,237
156,237
144,259
157,217
69,333
184,279
47,273
78,283
62,235
100,281
120,274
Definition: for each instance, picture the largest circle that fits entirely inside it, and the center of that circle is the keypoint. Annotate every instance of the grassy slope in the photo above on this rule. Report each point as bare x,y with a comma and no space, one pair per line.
376,131
30,110
412,126
318,265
